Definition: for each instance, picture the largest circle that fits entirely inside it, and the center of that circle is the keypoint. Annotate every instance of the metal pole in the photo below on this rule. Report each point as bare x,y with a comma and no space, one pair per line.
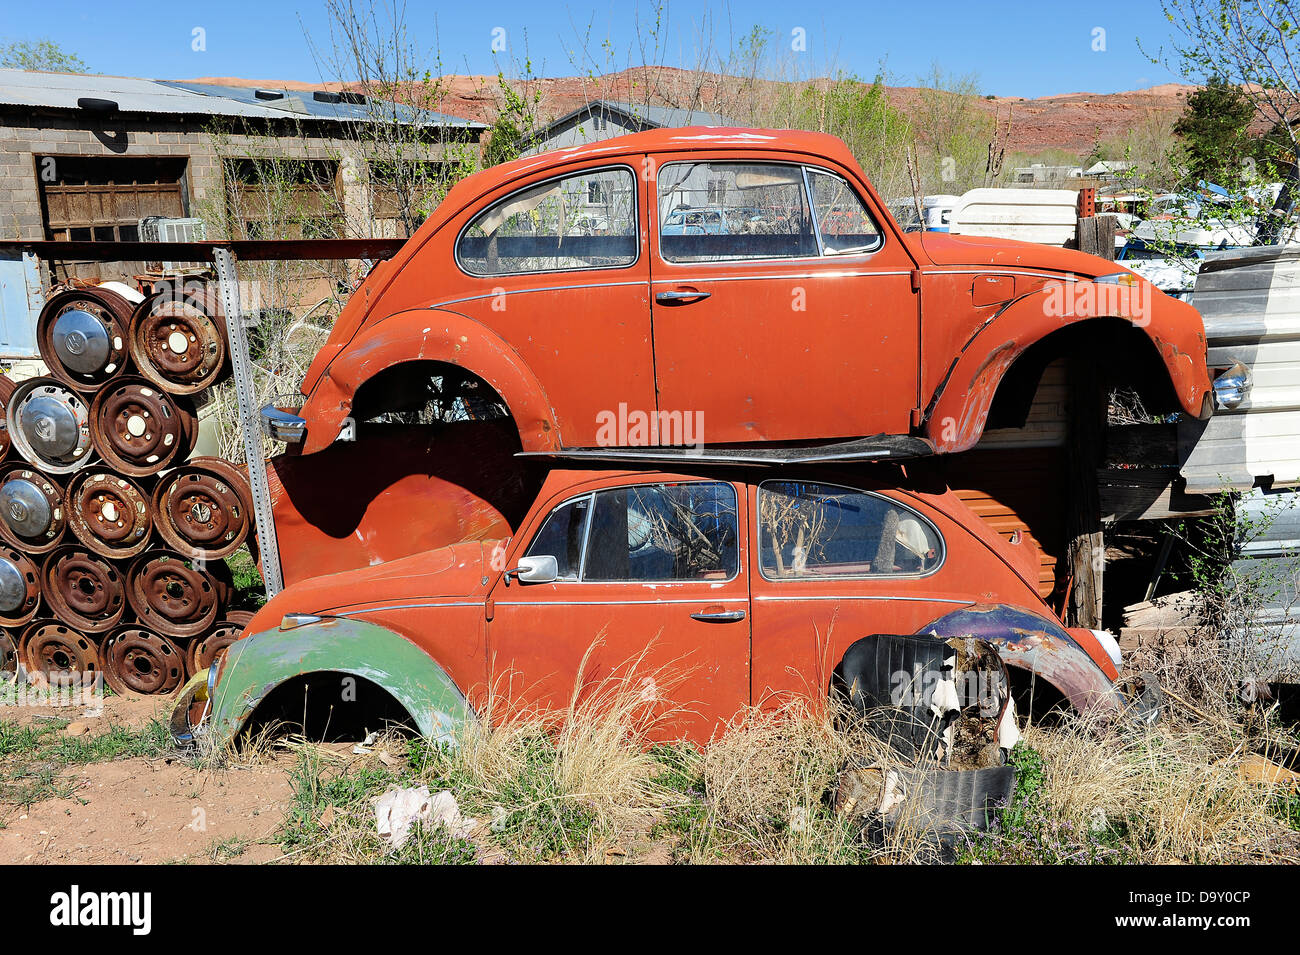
249,422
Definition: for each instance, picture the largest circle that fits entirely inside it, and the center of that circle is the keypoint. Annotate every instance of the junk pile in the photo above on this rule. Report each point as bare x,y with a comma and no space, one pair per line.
944,710
114,536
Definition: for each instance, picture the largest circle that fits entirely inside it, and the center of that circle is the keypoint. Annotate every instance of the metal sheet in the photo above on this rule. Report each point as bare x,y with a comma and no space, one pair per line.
21,301
1270,568
1250,300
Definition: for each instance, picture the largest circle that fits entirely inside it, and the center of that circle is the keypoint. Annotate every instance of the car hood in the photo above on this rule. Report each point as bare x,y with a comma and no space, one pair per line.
460,570
984,252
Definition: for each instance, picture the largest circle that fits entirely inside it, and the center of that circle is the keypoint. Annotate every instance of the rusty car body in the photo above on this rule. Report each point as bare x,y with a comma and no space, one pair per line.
725,587
800,319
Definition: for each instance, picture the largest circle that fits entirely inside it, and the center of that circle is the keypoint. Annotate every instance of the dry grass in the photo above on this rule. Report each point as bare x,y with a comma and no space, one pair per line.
585,783
1173,794
590,761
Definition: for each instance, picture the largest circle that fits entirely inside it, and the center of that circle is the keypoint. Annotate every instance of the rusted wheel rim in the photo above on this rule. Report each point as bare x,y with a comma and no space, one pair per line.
178,341
82,336
108,513
206,650
8,656
83,589
241,617
7,387
202,508
49,424
32,517
172,596
52,647
20,588
139,661
136,428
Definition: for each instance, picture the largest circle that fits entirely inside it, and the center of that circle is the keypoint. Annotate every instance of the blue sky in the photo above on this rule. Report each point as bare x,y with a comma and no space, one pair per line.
1014,49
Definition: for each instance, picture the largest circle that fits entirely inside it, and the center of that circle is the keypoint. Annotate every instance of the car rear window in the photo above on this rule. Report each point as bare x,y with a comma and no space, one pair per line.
808,530
583,221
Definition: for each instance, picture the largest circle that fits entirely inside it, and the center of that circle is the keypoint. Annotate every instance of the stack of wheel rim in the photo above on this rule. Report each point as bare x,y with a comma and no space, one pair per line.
113,536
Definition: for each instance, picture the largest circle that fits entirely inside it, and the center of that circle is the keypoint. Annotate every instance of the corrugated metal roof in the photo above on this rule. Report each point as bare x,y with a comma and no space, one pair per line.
324,104
63,90
664,117
1250,301
41,90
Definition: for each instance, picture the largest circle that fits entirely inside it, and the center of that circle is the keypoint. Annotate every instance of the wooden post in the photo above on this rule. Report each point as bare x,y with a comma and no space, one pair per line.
1085,554
1093,234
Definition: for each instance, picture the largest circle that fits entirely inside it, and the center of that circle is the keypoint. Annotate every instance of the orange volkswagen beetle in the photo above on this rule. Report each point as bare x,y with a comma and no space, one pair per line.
751,277
749,584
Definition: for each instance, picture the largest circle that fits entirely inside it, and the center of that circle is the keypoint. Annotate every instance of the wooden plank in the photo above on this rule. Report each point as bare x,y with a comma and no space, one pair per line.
1147,445
1147,494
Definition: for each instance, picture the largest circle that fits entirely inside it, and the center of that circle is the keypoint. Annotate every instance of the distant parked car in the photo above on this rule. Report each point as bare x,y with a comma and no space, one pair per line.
750,587
751,276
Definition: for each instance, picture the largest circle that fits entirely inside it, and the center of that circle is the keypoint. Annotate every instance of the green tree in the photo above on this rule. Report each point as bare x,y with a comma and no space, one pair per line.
40,55
1215,126
1250,43
517,126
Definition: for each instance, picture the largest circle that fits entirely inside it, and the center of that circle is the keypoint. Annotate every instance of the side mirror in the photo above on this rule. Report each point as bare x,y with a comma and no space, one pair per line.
536,570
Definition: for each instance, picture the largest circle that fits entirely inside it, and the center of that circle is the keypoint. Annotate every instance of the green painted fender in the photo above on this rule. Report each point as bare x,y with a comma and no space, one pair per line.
257,664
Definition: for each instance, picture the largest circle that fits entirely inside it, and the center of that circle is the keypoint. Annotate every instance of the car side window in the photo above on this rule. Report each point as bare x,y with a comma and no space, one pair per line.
808,530
663,532
843,221
726,211
584,221
648,532
562,537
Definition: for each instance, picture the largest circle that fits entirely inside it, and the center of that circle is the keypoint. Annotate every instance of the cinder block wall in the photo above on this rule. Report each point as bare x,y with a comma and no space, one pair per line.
25,135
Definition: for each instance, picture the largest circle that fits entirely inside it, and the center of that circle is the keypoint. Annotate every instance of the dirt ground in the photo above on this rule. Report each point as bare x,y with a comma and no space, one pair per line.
147,810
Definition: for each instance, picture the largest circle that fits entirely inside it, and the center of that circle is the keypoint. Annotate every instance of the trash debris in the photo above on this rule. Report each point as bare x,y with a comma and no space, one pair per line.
945,707
928,810
397,810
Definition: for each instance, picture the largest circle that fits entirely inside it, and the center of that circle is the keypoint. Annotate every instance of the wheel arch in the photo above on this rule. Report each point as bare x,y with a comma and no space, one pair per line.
256,666
435,337
1031,328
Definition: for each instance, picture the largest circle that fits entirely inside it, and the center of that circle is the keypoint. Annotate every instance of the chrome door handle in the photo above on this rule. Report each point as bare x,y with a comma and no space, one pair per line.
720,616
680,297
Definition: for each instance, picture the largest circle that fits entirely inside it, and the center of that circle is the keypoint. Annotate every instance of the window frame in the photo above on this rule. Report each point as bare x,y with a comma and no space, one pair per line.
805,170
808,173
894,502
586,535
477,213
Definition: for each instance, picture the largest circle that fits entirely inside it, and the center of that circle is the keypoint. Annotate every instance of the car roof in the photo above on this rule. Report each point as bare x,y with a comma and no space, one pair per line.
682,139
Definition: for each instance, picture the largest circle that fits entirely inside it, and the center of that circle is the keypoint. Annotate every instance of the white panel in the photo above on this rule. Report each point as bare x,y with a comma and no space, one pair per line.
1250,301
1046,216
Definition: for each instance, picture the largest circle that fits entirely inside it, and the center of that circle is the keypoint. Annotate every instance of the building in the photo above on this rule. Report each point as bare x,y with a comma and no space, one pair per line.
106,158
88,157
605,119
1042,174
1109,170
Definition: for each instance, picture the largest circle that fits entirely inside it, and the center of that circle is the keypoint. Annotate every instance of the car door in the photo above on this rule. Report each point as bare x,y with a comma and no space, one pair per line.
782,309
829,565
559,269
651,586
